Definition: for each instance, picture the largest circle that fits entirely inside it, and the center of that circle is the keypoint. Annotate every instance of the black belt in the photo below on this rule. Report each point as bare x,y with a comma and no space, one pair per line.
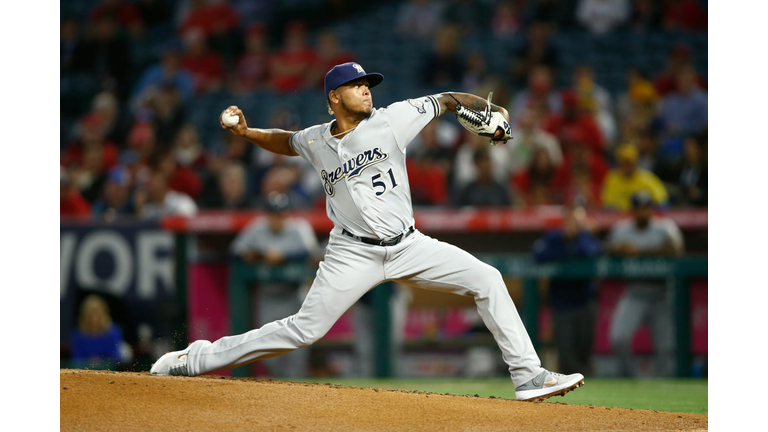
376,242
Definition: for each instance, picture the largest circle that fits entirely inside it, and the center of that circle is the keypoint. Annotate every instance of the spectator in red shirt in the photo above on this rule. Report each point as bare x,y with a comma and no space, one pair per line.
329,54
428,182
679,59
536,185
71,201
181,178
205,65
291,67
574,121
211,17
188,148
252,68
580,178
91,140
684,15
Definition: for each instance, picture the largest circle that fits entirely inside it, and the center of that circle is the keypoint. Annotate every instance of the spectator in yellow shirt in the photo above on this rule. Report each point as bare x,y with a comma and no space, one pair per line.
627,179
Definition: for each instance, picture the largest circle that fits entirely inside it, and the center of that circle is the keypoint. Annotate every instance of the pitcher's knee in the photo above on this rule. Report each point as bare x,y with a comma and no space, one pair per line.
308,331
488,280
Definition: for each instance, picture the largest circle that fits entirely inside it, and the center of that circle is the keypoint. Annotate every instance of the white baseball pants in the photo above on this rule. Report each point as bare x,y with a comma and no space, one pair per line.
349,270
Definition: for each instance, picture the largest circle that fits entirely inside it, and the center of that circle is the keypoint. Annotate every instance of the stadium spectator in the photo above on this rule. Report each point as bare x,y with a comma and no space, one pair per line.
155,199
436,143
627,179
572,122
166,72
97,339
506,21
181,178
71,200
89,157
538,184
683,15
581,176
141,145
116,124
443,66
680,57
539,95
329,54
465,168
252,68
644,300
687,180
210,16
419,19
275,240
167,112
188,148
537,51
232,191
429,181
469,16
602,16
291,67
484,191
595,99
574,308
205,65
115,199
529,137
685,111
638,106
285,179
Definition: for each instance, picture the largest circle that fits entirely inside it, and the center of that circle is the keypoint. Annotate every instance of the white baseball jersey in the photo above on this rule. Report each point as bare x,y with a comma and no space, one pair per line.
364,173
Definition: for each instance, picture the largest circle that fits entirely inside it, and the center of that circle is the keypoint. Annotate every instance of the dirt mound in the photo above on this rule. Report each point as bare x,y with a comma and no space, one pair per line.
102,400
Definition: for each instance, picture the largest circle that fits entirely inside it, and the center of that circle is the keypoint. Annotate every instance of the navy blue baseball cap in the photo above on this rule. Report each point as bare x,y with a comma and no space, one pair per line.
346,72
277,203
642,199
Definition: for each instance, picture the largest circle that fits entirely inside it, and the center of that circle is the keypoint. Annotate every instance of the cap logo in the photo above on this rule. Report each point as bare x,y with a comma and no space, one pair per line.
358,68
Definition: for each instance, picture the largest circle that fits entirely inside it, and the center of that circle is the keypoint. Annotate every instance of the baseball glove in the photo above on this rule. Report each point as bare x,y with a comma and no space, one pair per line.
483,123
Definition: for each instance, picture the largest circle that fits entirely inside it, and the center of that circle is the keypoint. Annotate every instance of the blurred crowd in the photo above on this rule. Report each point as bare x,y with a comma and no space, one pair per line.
134,150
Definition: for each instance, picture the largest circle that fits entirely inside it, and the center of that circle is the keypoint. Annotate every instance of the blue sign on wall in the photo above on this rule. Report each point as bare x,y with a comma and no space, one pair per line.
129,264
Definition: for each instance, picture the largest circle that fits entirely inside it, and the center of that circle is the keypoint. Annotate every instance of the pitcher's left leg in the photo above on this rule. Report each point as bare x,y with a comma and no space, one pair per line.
424,262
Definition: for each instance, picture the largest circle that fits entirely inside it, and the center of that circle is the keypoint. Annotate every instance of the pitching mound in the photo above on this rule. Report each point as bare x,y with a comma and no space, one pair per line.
102,400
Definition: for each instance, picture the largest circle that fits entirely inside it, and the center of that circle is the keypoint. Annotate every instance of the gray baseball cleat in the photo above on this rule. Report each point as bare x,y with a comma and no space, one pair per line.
172,363
548,384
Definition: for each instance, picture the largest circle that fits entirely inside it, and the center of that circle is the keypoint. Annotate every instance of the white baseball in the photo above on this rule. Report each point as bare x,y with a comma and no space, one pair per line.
230,120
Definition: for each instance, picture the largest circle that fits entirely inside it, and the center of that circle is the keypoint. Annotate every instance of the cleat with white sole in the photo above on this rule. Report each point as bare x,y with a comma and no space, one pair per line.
548,384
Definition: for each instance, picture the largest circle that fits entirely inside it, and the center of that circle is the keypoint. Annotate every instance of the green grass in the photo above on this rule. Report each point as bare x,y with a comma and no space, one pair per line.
674,395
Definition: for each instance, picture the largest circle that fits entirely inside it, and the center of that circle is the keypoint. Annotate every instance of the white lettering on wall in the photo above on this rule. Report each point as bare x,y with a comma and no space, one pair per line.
114,244
151,267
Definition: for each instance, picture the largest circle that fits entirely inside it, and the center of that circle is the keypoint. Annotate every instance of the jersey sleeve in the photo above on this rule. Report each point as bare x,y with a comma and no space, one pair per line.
302,142
407,118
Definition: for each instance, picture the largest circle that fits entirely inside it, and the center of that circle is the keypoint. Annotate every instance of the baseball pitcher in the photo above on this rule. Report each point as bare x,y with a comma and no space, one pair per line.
360,158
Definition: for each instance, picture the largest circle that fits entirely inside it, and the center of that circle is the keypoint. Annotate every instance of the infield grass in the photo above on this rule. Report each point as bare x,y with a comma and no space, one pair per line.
674,395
